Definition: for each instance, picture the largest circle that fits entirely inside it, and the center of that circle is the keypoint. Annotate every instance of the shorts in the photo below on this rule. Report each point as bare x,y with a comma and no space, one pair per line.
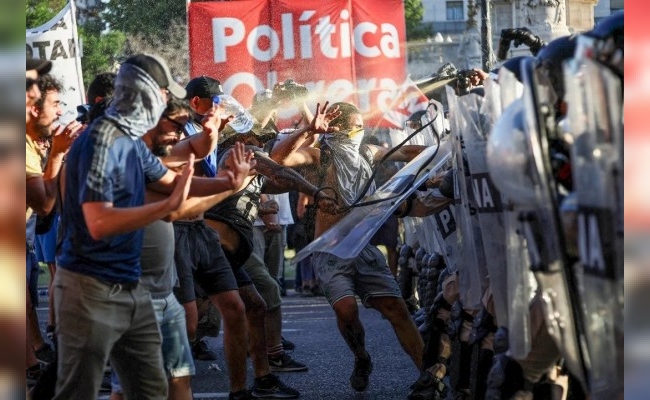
266,286
200,259
46,244
245,248
367,276
177,356
32,270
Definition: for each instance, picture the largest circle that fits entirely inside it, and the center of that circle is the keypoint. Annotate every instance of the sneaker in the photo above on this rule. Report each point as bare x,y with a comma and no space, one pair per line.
427,387
45,353
285,363
241,395
201,351
288,345
271,387
33,373
361,374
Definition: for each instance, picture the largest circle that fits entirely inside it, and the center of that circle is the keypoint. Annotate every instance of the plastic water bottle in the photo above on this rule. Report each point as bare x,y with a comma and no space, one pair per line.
242,121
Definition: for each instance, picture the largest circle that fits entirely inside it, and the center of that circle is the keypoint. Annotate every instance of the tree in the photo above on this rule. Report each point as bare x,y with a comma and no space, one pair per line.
150,19
413,12
173,47
101,52
38,12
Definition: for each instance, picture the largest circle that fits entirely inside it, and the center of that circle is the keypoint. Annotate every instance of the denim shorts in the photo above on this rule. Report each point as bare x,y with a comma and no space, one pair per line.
177,356
367,275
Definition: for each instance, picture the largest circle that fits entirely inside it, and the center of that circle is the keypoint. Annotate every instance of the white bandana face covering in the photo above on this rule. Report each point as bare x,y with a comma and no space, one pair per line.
352,170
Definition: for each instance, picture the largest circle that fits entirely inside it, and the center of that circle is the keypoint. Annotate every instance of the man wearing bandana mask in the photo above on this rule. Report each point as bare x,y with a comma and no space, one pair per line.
102,311
368,275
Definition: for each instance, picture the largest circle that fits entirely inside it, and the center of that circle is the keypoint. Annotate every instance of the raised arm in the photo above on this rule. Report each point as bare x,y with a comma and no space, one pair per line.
405,153
41,189
231,179
204,142
282,179
103,219
292,151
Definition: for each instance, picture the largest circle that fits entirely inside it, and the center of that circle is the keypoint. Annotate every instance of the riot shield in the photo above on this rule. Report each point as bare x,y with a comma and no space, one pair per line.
504,246
417,229
595,115
543,228
471,263
346,239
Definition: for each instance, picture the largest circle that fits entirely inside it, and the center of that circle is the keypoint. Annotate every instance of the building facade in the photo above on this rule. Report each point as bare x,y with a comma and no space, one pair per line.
454,27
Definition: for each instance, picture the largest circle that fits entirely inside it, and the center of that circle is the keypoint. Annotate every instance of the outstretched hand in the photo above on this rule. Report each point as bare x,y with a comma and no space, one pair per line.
63,136
239,165
322,118
477,77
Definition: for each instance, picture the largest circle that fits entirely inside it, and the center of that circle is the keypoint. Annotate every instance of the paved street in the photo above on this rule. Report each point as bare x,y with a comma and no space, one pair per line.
309,322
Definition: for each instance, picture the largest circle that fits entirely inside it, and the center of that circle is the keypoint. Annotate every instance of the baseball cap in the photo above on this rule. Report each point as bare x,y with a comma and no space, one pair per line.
42,66
204,87
157,68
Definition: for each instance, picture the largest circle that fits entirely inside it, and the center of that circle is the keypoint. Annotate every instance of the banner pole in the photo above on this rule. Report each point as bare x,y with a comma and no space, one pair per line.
77,43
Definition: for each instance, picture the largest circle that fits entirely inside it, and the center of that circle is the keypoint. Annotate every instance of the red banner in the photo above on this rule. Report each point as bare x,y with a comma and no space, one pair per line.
342,50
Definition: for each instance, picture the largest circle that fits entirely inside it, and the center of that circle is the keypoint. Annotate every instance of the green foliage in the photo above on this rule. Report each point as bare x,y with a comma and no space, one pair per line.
413,12
38,12
11,27
146,18
100,52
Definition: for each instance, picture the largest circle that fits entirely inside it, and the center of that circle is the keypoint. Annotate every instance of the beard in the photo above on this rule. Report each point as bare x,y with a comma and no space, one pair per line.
44,131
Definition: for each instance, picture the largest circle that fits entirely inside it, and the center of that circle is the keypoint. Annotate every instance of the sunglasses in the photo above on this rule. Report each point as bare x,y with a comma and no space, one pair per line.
180,128
31,82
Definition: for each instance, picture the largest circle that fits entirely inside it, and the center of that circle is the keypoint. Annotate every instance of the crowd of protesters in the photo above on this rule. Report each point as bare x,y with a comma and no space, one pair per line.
154,206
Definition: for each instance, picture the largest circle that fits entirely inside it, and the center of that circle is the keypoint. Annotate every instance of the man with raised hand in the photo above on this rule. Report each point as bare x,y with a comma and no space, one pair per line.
101,309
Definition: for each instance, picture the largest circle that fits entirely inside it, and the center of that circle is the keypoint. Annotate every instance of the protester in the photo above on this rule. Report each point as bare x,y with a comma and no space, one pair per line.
367,275
97,294
42,174
157,259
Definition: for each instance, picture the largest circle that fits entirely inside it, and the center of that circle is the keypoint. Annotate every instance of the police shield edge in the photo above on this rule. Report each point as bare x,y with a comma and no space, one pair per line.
543,230
471,258
595,114
505,248
346,239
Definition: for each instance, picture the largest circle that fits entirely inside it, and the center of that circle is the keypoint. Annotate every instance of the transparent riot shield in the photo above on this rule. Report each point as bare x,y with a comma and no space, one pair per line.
504,246
487,198
596,121
472,274
543,228
346,239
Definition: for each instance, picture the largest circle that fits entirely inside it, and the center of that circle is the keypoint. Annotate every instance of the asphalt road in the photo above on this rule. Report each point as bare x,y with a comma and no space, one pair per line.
309,322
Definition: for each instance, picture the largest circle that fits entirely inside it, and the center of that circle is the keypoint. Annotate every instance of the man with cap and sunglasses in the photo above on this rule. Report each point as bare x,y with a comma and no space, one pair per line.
101,310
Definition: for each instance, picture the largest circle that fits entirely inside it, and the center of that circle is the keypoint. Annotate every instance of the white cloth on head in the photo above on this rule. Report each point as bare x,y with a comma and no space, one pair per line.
352,170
